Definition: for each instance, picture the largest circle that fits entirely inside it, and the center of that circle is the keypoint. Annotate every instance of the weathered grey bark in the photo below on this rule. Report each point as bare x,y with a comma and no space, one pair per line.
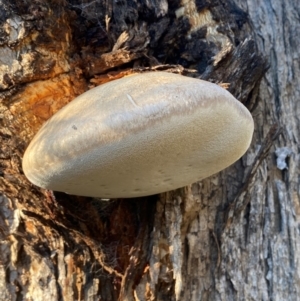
233,236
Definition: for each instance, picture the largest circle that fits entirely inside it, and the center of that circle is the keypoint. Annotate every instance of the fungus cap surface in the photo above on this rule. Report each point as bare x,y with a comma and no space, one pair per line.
139,135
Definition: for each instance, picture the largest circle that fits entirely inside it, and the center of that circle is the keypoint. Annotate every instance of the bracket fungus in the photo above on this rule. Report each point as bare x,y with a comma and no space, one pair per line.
139,135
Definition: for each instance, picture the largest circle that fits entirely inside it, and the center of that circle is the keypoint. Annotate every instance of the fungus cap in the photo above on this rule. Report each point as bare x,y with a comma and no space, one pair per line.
139,135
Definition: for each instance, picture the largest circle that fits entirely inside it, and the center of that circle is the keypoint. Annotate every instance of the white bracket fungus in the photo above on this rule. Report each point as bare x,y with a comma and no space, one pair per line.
139,135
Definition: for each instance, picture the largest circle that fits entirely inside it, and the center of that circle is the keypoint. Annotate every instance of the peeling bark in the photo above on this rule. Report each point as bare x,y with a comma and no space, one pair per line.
233,236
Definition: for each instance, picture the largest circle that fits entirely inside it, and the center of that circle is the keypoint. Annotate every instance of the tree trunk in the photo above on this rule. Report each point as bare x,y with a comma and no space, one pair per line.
233,236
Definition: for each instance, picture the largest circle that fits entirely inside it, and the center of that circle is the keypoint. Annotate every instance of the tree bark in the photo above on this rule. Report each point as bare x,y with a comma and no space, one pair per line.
233,236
